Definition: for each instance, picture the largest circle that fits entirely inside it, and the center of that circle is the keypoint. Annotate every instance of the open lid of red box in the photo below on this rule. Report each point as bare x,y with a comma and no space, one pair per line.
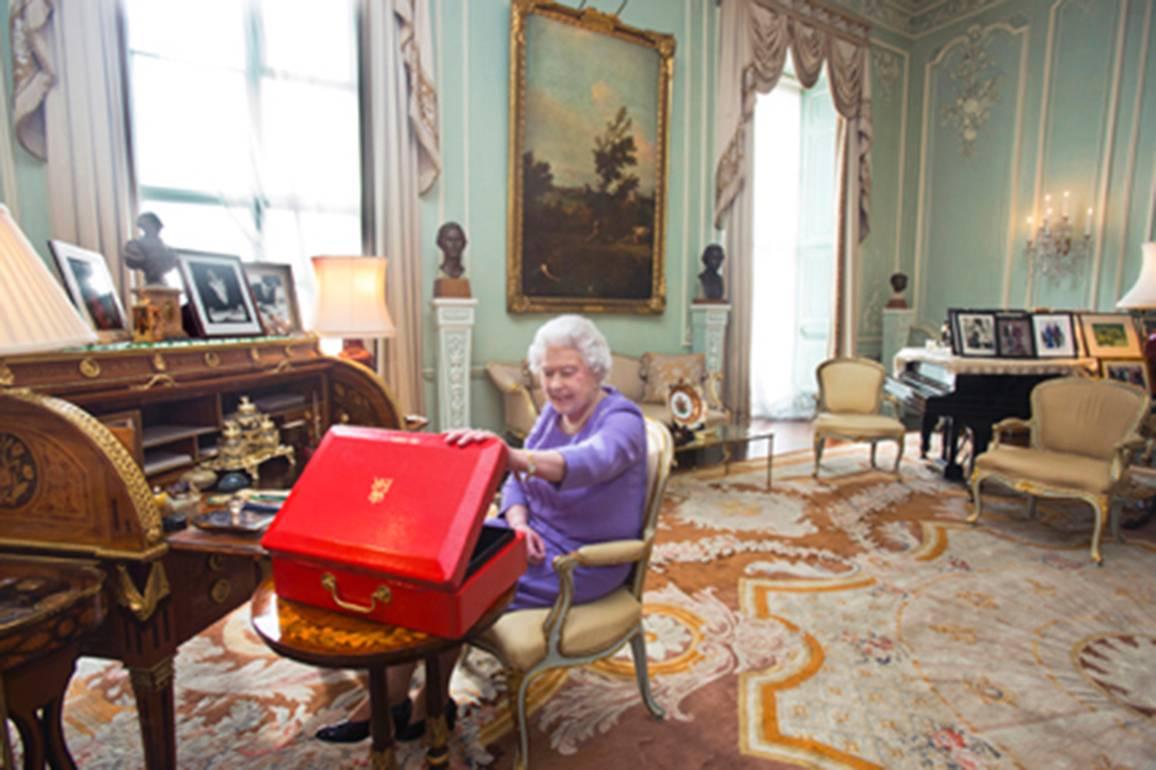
406,504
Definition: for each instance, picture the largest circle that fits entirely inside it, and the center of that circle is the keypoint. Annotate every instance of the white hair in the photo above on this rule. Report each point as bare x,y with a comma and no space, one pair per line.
571,331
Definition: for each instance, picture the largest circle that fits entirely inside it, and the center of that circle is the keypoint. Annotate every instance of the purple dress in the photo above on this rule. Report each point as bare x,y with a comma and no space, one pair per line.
600,498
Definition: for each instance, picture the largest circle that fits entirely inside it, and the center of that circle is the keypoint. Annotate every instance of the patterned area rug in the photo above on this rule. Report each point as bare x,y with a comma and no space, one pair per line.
849,622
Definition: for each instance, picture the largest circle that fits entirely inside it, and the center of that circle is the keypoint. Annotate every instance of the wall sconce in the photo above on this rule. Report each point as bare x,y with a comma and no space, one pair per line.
1053,248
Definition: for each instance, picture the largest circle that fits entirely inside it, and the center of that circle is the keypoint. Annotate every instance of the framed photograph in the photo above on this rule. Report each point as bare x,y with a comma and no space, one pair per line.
1013,333
1054,335
218,293
275,296
90,286
1110,335
973,332
1131,371
589,113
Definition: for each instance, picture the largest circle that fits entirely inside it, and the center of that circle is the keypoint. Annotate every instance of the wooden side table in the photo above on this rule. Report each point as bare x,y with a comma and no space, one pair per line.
46,606
329,639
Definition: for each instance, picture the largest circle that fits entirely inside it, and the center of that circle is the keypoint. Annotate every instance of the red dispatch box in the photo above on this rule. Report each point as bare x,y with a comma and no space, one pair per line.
387,525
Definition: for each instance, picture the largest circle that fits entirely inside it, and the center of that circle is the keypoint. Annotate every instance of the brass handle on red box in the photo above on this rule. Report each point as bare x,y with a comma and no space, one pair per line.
382,594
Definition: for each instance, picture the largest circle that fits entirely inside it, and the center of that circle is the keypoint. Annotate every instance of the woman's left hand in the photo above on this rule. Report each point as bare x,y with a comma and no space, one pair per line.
467,436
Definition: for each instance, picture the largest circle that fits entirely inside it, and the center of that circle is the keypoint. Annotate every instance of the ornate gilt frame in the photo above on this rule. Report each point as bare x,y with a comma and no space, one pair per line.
590,19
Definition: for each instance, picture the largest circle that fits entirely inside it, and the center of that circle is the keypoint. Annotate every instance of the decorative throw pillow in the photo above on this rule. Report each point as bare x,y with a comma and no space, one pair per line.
661,371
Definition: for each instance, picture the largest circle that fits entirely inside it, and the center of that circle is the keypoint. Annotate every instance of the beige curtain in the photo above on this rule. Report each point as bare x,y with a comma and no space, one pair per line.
404,161
69,111
754,37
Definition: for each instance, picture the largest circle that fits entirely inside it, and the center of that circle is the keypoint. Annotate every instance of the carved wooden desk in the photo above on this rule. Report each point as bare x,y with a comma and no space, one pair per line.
83,436
46,607
332,640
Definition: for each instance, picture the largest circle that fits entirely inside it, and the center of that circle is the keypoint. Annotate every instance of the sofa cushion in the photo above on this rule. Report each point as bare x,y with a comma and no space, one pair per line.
626,376
1054,469
661,371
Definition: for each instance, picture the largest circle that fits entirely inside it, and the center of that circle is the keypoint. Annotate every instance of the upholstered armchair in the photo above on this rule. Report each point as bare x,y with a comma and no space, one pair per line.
850,398
528,642
1083,435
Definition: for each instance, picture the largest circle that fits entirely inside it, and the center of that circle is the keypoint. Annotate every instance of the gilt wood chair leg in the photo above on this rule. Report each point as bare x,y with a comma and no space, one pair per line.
642,673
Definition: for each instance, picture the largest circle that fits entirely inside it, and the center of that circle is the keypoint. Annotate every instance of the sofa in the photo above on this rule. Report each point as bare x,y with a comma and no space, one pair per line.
644,380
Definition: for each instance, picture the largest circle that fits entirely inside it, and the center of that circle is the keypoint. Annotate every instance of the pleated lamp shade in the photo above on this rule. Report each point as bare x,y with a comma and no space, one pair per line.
35,313
1142,295
351,297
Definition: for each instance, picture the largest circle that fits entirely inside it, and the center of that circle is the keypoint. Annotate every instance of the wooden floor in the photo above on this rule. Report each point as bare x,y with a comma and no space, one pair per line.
790,435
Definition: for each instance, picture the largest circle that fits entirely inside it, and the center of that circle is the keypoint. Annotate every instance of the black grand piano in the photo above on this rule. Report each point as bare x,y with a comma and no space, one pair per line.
964,397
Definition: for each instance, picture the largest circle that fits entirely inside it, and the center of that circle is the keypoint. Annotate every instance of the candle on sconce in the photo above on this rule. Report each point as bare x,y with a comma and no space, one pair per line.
1064,210
1088,224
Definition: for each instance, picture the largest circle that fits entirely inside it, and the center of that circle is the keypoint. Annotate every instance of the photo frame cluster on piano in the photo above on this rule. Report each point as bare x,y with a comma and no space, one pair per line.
1060,334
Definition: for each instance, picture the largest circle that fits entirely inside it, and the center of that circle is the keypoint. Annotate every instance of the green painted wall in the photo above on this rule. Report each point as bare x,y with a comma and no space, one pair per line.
1073,107
472,44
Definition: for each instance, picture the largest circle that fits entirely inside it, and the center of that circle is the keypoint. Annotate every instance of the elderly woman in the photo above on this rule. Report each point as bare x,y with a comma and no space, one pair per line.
580,479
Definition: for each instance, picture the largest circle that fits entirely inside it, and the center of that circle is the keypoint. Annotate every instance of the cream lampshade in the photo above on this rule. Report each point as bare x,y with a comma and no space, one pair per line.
351,297
35,313
1142,295
351,305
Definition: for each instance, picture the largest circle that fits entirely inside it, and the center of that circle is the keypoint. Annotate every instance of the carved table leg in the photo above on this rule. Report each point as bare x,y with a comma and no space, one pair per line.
380,728
153,688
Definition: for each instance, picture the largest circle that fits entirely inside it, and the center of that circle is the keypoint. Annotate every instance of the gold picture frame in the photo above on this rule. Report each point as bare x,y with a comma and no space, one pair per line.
589,135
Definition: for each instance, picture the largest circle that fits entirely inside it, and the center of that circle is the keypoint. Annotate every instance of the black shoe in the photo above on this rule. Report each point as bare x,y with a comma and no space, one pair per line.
413,731
354,730
349,731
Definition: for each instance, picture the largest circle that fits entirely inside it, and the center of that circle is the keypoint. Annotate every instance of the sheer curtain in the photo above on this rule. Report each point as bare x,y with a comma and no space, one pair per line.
754,37
777,138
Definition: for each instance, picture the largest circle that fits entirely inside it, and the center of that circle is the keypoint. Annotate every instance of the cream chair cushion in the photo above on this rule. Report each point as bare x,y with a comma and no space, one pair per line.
1054,469
864,426
590,628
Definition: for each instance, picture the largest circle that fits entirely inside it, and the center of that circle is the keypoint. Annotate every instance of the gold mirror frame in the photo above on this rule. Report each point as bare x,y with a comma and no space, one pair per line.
592,20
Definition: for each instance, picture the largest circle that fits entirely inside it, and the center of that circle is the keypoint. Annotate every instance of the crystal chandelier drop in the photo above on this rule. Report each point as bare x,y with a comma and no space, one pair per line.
1053,248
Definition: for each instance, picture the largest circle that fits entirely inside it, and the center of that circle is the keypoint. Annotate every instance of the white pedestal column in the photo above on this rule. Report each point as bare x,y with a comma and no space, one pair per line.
455,324
708,323
896,329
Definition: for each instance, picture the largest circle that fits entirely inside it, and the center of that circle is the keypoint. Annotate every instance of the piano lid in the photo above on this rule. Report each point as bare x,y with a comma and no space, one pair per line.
943,359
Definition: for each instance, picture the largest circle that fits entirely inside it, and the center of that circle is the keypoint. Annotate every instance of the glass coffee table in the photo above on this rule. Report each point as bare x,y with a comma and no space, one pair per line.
727,436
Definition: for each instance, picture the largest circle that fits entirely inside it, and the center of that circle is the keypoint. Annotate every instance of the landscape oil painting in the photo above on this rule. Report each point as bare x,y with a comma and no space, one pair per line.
589,105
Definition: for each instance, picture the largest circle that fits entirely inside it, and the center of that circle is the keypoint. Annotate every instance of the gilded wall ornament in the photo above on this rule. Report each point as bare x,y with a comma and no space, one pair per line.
977,90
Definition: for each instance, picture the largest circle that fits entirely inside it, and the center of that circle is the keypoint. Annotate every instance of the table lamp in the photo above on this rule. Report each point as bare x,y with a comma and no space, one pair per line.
35,313
1142,296
351,303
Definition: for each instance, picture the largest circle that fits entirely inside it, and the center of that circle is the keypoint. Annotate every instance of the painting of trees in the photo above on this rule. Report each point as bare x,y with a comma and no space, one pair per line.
588,165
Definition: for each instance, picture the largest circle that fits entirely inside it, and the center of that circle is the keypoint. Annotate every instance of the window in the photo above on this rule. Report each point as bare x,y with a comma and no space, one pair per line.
793,246
245,126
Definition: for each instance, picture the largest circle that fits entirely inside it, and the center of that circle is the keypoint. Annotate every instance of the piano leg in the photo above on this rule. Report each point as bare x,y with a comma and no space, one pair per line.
926,426
952,470
153,688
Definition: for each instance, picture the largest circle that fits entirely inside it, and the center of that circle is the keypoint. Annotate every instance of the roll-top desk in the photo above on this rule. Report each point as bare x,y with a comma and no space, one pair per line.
85,434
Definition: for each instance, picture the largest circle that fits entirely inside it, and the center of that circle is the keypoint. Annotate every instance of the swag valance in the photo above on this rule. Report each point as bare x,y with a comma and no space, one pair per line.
756,35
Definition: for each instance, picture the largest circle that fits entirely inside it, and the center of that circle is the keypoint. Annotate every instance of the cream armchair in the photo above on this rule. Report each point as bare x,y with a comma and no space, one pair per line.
528,642
1084,433
850,397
